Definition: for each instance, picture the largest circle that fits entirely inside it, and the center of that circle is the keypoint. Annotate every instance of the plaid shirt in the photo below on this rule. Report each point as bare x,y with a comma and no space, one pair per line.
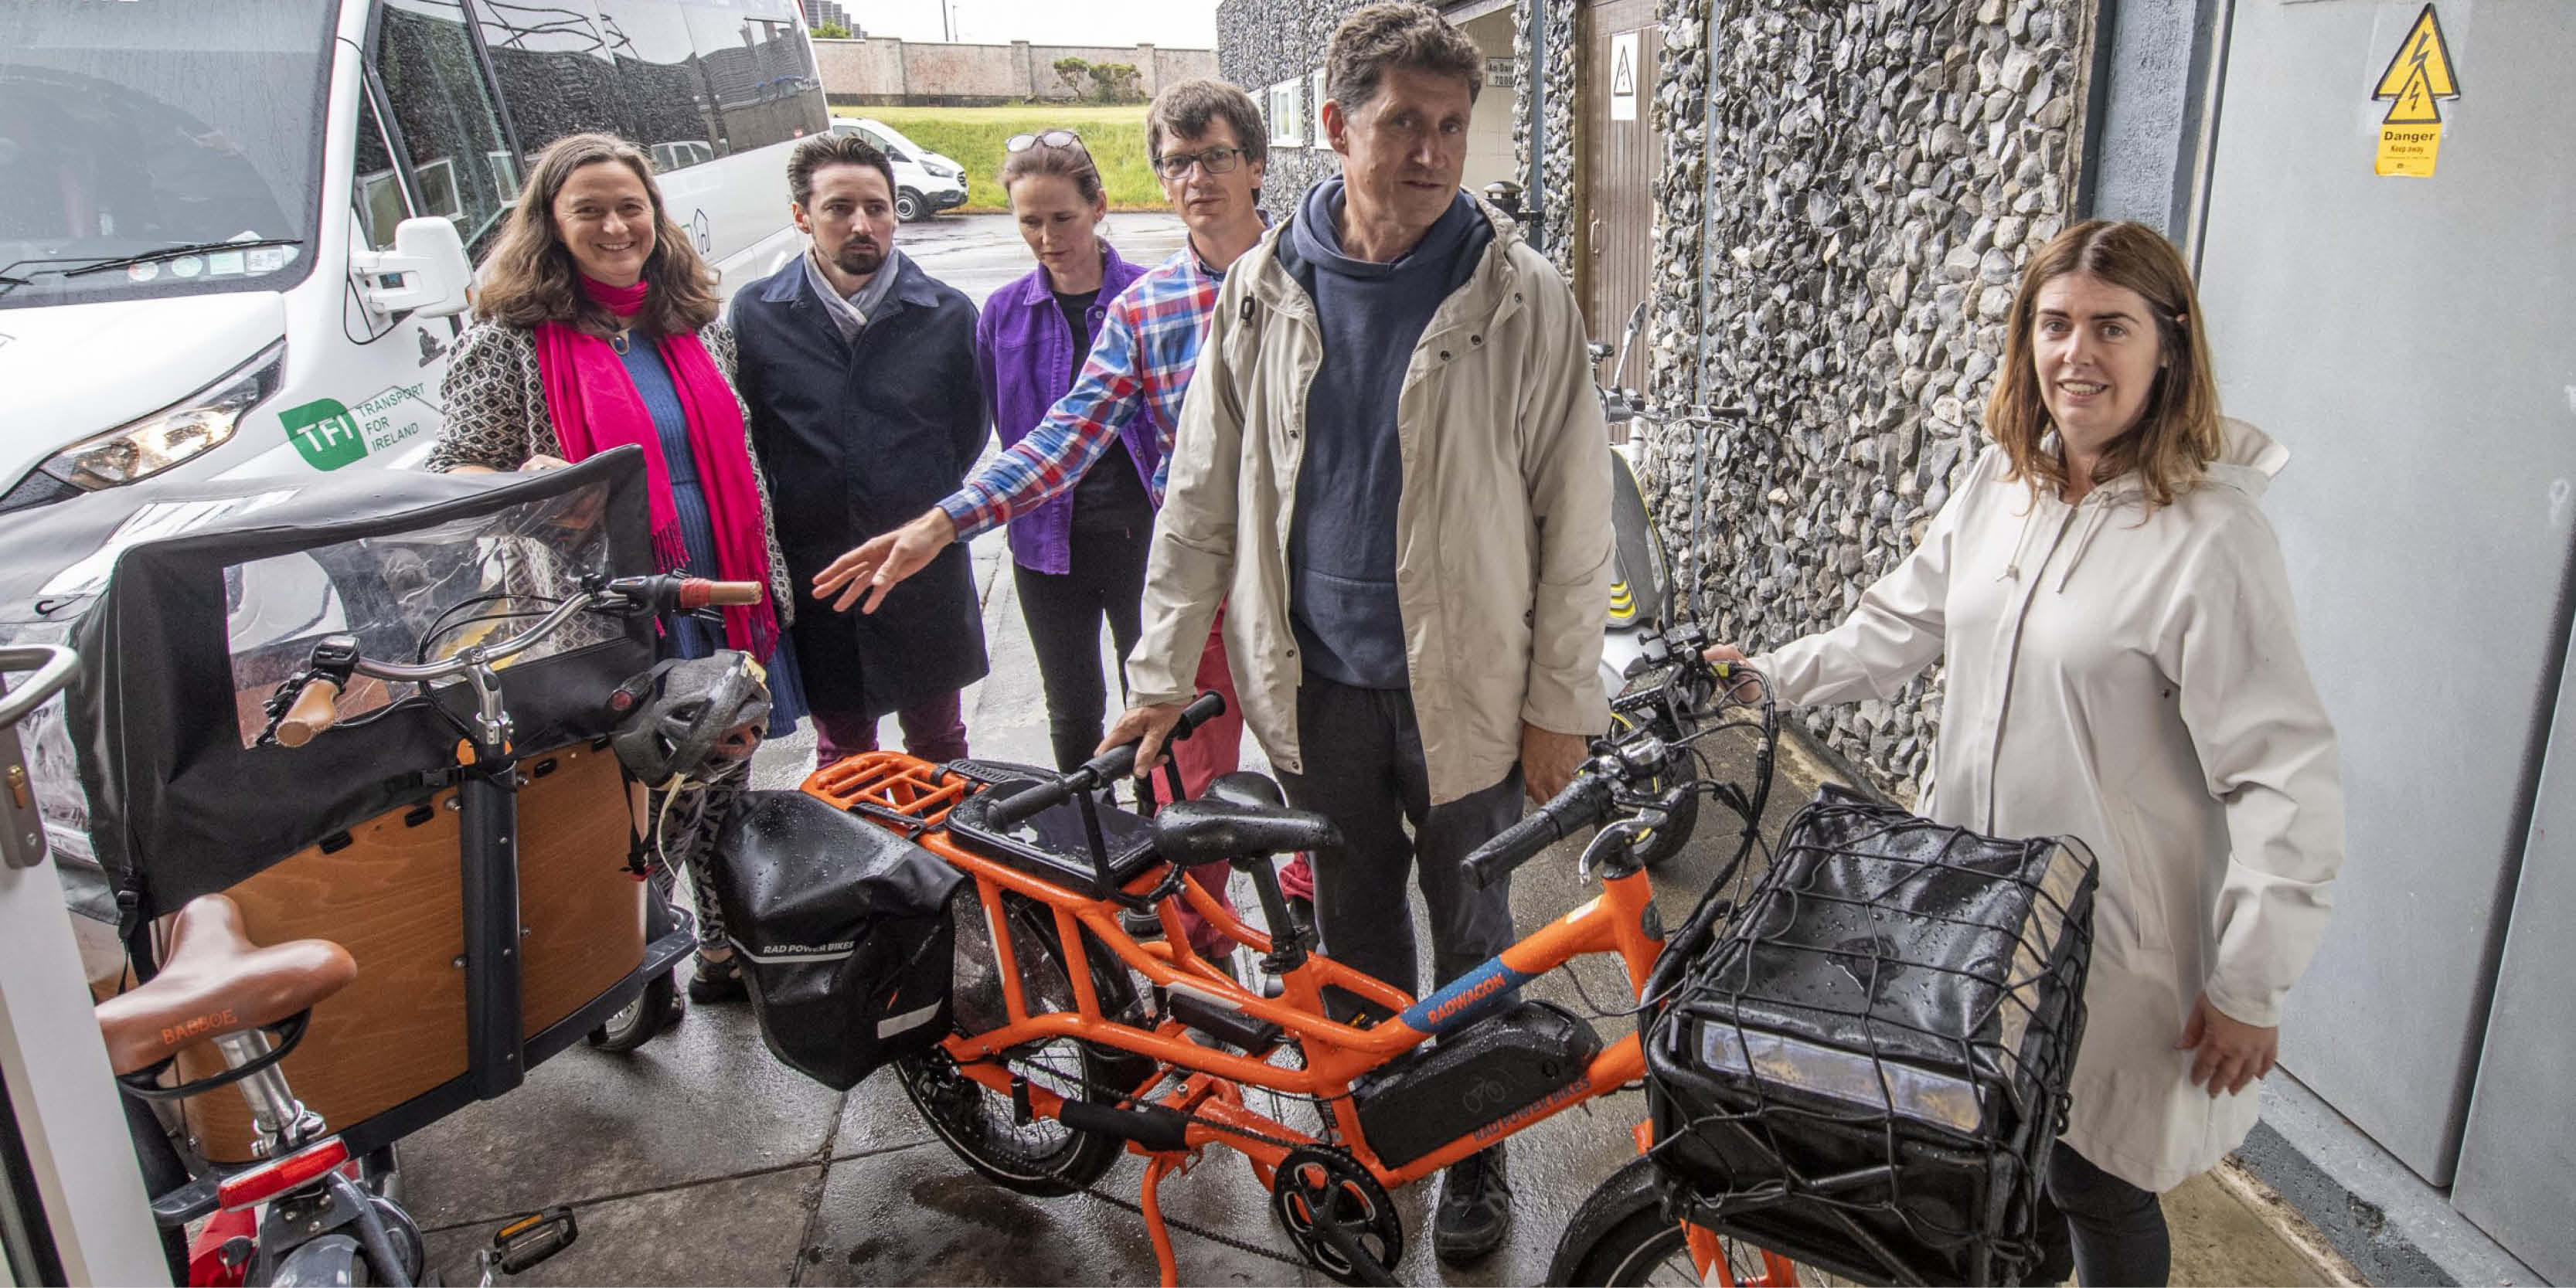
1140,365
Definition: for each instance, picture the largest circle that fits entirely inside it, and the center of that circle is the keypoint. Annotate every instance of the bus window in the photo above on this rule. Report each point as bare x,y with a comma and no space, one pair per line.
377,192
445,114
761,71
667,106
554,68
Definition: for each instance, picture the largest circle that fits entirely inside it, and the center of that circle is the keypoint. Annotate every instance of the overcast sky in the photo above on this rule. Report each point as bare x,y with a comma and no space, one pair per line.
1179,24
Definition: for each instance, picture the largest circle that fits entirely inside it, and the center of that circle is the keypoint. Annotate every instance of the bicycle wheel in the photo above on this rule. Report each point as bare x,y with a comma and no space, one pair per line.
1620,1238
1042,1157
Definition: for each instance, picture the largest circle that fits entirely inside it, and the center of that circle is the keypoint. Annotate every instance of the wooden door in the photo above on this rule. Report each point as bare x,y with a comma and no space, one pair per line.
1622,44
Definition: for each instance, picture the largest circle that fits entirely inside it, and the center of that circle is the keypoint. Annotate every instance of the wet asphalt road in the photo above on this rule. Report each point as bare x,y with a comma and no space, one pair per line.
981,254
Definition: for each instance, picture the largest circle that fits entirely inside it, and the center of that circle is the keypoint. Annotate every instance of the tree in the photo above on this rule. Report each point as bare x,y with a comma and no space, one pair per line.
1117,82
1075,73
829,30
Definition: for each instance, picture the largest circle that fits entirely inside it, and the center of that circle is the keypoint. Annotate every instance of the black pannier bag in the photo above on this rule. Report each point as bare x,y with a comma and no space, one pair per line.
1866,1072
843,931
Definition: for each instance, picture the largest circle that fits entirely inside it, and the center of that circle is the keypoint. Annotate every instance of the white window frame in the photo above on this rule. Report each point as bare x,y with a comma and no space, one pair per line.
1287,114
1315,105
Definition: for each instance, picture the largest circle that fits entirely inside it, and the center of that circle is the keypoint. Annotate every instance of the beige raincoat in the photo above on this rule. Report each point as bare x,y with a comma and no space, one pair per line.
2132,678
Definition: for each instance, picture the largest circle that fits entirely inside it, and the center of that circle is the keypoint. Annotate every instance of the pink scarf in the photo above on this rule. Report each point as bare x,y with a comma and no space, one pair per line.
595,407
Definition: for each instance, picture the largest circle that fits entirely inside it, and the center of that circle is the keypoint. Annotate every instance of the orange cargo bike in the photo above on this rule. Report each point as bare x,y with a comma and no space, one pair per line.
1057,1061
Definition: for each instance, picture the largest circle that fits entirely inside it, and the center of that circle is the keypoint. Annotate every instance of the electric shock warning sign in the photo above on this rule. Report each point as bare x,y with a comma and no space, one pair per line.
2418,78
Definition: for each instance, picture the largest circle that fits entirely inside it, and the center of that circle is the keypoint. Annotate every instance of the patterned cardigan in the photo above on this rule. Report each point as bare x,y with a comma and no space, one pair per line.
496,417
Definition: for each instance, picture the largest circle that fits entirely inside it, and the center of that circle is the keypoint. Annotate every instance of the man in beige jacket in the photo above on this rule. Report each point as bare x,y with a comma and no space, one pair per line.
1392,468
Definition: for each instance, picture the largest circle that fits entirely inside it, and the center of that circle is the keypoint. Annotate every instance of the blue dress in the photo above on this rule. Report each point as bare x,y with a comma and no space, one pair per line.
688,637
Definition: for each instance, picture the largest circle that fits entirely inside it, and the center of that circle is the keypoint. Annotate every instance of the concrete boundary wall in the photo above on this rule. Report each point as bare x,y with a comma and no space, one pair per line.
881,70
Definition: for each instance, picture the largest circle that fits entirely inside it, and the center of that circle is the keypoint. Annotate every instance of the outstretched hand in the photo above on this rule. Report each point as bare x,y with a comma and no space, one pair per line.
883,562
2233,1054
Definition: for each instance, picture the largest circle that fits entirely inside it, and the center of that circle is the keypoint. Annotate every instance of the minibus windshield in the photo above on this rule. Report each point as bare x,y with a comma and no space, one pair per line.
148,136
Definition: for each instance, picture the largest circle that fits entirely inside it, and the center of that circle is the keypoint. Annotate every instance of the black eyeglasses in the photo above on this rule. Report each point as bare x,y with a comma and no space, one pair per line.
1217,161
1051,138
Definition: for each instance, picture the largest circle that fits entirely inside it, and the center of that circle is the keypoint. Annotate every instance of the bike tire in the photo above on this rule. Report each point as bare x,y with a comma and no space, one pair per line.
642,1020
1043,1158
1620,1238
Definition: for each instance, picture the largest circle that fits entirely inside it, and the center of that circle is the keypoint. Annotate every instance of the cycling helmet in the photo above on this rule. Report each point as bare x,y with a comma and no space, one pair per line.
682,715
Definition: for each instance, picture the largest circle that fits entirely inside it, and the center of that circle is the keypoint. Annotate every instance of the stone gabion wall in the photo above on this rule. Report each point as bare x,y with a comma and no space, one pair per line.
1878,171
1556,221
1262,43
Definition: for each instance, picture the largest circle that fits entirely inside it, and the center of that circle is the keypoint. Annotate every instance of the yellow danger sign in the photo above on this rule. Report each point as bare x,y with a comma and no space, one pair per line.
2418,77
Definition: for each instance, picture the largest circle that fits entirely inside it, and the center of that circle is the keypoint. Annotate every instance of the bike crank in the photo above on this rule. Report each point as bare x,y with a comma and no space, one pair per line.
1338,1216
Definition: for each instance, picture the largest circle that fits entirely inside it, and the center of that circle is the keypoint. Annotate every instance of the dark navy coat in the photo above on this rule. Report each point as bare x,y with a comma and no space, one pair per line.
857,440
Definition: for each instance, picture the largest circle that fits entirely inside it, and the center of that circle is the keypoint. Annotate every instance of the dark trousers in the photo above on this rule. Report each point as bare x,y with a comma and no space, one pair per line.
934,730
2103,1229
1364,770
1106,579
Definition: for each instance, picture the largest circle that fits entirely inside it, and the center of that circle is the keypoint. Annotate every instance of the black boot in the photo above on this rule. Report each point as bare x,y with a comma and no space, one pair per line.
1475,1209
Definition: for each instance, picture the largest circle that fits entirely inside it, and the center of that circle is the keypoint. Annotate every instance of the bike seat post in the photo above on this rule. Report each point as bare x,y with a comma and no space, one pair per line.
284,1124
1287,946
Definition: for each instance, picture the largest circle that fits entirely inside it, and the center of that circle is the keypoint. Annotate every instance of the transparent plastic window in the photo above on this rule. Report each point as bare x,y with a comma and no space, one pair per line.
423,595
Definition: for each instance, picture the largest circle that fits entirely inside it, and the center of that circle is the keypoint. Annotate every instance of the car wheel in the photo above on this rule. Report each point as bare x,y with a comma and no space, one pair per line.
909,207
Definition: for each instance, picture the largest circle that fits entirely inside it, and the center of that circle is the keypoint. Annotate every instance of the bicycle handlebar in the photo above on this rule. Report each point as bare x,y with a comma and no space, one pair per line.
54,666
313,712
314,709
1583,802
695,594
1107,767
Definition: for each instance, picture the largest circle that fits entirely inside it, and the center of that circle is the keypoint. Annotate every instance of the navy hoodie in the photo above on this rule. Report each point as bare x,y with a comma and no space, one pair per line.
1341,540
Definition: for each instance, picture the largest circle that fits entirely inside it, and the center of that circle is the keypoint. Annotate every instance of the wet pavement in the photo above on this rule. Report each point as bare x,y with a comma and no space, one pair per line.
980,254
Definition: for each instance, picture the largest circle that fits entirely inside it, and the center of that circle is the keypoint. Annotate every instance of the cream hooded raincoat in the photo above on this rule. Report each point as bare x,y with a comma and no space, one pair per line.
2132,678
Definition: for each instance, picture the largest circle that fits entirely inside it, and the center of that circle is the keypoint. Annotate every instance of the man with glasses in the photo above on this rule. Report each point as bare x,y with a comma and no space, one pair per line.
1210,146
1393,472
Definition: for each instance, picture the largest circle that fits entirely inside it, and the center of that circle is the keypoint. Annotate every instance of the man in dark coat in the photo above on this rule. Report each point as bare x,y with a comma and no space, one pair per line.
859,369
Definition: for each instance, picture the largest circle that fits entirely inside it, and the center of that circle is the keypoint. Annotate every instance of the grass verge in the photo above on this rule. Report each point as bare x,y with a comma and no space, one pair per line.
973,136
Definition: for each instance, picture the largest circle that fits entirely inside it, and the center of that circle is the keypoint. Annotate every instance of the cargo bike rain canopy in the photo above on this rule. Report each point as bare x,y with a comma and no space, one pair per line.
189,605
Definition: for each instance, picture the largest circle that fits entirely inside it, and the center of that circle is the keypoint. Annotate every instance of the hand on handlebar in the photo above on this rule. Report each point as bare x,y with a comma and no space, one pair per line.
1150,728
1548,761
884,561
1730,663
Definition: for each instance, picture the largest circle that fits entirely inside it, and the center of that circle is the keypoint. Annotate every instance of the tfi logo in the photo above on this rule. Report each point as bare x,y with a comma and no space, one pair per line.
324,432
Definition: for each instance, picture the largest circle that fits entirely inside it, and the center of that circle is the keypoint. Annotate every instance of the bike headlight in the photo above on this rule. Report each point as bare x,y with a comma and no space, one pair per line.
192,427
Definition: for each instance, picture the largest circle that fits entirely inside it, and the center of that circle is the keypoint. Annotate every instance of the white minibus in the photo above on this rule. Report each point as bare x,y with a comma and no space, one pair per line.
224,224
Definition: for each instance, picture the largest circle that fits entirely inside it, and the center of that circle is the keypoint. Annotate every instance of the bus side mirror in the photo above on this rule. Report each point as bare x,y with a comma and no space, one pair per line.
425,273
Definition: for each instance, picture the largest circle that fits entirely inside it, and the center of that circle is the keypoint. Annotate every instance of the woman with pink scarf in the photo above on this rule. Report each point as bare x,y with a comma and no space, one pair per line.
595,328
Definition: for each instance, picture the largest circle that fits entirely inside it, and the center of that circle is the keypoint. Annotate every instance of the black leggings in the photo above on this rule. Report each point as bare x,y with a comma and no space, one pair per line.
2103,1229
1063,610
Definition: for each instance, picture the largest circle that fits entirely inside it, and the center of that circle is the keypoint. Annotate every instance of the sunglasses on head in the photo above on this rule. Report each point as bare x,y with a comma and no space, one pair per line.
1051,138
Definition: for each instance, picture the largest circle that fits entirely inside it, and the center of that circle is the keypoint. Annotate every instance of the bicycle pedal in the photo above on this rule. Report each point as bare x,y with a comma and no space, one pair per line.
529,1240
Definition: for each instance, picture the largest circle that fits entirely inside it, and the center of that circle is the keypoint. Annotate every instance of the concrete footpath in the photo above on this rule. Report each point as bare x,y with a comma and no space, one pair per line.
699,1159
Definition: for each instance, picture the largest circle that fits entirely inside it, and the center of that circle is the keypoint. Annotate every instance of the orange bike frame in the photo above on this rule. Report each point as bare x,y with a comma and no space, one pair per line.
1210,1092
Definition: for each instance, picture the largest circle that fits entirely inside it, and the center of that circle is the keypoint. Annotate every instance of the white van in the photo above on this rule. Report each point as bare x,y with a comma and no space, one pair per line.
925,182
200,270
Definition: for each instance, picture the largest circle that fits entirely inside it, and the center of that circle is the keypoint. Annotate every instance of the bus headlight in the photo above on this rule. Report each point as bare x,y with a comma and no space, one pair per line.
194,426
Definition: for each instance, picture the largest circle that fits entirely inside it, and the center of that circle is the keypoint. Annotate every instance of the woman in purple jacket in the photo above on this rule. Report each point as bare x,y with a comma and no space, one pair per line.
1081,556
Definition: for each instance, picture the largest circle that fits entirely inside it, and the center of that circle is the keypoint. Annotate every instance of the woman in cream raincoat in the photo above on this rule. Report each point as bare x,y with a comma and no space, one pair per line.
2123,667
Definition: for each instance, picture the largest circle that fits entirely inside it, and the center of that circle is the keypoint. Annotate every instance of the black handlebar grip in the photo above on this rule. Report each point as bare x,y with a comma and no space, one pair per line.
1107,767
1030,801
1120,761
1583,801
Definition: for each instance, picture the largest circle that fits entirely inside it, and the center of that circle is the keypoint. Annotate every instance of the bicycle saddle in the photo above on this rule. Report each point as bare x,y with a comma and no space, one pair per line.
217,982
1189,833
1244,787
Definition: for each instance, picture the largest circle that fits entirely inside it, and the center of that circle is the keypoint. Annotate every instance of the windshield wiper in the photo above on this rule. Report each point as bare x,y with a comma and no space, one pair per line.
174,252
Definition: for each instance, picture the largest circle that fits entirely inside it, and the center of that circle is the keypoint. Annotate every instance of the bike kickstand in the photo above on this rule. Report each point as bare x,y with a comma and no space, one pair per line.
1150,1203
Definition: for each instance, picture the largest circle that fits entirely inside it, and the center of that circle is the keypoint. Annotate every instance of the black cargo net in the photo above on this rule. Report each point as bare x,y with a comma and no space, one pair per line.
1867,1070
